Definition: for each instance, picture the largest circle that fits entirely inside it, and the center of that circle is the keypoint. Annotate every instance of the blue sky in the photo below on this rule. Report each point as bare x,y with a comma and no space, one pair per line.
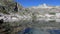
29,3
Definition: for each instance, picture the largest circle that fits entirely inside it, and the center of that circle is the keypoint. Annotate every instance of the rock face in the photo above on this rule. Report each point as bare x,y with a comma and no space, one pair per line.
6,8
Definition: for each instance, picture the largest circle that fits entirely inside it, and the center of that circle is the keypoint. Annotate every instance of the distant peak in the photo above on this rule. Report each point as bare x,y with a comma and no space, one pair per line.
44,4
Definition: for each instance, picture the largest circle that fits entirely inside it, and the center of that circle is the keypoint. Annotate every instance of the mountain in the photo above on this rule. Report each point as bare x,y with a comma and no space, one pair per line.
14,17
44,8
8,14
9,6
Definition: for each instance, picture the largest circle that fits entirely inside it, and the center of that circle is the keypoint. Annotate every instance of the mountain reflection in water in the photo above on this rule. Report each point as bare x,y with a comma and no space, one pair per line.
33,31
45,30
54,31
39,31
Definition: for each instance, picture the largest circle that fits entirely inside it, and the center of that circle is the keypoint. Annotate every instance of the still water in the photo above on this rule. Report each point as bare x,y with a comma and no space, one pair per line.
37,30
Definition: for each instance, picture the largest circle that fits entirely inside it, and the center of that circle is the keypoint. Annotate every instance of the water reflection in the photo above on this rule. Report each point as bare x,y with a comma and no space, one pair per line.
33,31
54,31
41,27
39,31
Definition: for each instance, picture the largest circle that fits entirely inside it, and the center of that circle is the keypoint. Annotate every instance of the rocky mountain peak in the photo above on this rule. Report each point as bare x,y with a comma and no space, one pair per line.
44,5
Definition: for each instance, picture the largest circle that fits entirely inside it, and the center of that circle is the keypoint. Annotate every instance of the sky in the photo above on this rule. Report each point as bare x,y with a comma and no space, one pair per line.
30,3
